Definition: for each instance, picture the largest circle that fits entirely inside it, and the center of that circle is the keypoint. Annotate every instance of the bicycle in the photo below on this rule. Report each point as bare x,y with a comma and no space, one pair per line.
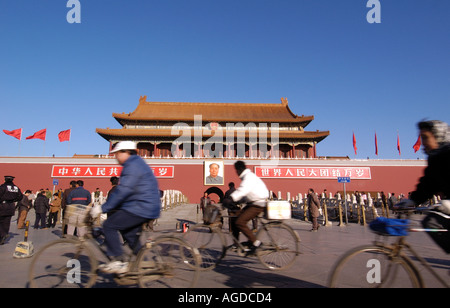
278,251
381,264
167,261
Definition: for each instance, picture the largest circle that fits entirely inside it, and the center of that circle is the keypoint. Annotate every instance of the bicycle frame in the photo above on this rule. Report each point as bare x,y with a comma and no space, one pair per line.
153,261
401,244
261,223
89,238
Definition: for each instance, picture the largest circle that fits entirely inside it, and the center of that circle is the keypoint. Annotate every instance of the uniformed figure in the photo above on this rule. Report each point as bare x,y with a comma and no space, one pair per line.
9,195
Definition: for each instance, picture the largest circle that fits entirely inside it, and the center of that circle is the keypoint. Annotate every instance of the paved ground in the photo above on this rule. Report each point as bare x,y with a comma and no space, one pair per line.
311,270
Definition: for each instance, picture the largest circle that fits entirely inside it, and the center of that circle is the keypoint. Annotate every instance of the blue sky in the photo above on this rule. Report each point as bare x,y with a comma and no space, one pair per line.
322,55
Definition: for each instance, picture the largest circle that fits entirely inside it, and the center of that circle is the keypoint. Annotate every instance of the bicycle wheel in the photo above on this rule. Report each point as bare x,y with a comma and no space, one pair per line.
374,267
63,264
168,262
280,246
210,244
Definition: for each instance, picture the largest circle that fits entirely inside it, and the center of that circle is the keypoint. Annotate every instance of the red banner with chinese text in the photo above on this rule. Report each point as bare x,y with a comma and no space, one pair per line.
80,171
311,172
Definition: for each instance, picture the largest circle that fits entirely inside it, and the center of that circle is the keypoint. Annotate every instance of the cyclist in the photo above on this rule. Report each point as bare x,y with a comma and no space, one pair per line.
253,190
435,137
136,200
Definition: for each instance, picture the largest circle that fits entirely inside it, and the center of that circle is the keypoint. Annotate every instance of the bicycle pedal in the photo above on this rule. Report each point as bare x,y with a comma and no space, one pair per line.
240,252
233,248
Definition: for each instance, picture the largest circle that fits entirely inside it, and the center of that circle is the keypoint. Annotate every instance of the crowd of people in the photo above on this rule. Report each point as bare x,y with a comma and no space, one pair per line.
48,206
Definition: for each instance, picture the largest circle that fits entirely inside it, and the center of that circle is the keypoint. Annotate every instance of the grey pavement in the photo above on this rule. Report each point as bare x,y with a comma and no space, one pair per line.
319,252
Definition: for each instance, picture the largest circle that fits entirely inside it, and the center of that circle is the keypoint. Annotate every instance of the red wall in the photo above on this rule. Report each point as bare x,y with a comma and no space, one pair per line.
399,177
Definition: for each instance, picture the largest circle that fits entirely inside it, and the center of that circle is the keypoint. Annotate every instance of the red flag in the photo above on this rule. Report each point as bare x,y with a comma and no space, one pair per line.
354,143
376,144
417,145
38,135
398,145
17,133
64,135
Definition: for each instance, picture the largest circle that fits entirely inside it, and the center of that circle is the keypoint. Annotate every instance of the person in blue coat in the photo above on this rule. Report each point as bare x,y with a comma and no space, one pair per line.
135,201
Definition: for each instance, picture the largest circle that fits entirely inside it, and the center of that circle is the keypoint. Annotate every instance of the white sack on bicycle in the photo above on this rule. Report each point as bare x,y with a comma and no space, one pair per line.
445,207
96,210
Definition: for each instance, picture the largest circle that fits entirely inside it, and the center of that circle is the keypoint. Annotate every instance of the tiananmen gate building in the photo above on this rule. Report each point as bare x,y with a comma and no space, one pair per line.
216,130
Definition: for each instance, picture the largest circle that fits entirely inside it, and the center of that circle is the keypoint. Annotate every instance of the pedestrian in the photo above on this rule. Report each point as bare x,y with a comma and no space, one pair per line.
24,206
79,195
78,202
41,207
313,207
204,202
55,208
66,193
137,200
232,215
363,199
48,193
114,182
392,201
97,193
9,195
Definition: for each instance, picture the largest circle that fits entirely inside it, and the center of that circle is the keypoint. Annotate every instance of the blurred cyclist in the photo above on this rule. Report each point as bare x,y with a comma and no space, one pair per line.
136,200
435,137
255,193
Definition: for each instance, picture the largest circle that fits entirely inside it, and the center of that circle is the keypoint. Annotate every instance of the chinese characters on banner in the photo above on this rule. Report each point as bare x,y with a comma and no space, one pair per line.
104,171
357,173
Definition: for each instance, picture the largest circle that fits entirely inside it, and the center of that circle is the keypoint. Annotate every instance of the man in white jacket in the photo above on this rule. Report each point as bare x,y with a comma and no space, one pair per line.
255,192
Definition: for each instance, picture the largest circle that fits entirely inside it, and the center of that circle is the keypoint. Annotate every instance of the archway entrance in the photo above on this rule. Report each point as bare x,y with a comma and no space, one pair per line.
217,191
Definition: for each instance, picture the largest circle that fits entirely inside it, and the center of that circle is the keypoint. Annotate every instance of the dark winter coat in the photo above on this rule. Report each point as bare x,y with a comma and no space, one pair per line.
9,194
137,192
313,204
41,204
436,177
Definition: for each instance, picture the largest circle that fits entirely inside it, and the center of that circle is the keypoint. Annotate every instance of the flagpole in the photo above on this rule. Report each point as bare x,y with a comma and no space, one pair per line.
45,140
68,146
376,144
20,140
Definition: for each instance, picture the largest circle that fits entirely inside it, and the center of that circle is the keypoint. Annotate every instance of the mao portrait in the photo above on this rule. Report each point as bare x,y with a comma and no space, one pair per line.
214,173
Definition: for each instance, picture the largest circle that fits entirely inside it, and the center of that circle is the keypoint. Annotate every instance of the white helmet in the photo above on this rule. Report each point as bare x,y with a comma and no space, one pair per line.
123,146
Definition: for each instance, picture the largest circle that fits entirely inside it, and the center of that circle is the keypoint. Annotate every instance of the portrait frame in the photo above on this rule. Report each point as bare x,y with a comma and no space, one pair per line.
208,173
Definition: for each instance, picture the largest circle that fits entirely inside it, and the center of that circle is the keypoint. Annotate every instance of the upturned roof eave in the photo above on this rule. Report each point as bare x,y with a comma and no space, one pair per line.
126,118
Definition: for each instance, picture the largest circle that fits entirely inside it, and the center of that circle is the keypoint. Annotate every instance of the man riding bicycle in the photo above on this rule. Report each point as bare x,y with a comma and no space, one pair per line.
255,193
135,201
435,137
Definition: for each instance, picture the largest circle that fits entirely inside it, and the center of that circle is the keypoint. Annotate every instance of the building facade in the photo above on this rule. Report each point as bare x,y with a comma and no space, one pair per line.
192,147
216,130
